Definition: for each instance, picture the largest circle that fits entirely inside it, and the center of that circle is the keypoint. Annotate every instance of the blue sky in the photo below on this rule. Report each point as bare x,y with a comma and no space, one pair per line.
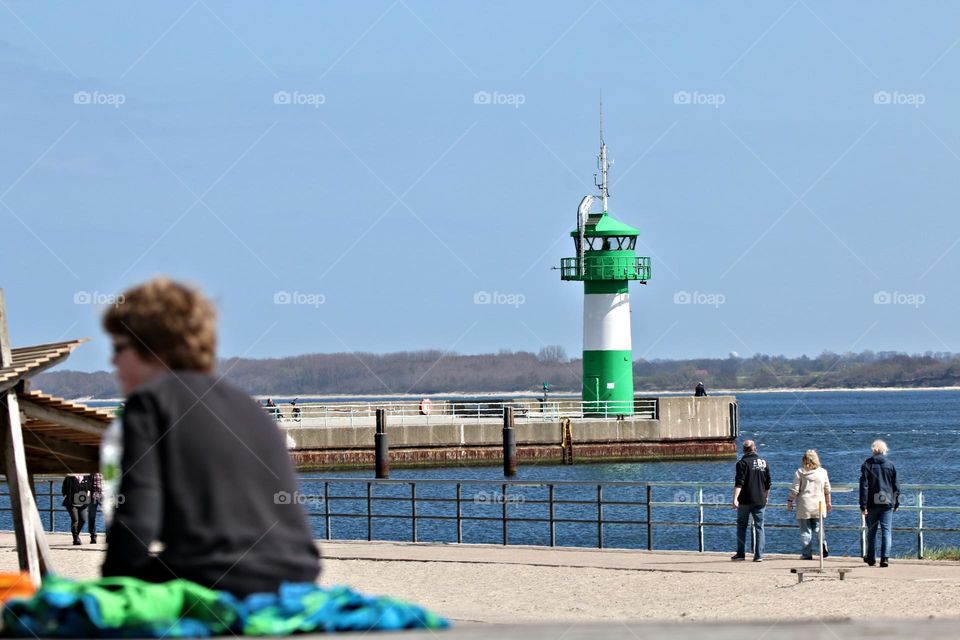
792,166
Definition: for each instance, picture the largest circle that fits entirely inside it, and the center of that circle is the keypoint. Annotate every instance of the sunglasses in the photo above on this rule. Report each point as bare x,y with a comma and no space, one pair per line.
120,347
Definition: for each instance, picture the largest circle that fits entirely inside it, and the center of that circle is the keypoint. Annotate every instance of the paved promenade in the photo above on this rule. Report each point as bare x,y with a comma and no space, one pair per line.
579,593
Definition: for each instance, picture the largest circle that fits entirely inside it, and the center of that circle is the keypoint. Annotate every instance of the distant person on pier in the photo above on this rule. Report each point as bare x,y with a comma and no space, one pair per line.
95,482
203,469
273,410
700,391
750,492
810,490
76,499
879,498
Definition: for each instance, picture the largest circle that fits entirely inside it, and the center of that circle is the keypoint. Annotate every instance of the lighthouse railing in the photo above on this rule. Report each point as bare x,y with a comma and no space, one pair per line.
310,414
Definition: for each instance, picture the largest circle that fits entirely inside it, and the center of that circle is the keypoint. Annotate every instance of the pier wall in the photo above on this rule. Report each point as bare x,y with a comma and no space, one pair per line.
685,427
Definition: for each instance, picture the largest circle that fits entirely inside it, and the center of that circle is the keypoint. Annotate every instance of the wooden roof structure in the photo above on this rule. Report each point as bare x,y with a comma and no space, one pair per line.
40,433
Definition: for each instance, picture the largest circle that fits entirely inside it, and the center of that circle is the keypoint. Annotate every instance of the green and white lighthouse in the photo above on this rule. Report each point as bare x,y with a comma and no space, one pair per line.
606,263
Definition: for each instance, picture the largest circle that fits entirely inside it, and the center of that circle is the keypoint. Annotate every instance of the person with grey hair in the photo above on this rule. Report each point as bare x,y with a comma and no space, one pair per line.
879,498
811,491
751,488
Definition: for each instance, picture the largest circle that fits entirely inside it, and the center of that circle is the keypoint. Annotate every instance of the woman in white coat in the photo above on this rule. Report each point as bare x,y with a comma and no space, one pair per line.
811,488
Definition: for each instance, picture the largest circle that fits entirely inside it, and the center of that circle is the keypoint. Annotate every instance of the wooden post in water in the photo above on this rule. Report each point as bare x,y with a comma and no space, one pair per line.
382,446
509,444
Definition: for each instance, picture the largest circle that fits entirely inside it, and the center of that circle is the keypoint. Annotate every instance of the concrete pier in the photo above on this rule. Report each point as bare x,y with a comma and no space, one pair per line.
681,428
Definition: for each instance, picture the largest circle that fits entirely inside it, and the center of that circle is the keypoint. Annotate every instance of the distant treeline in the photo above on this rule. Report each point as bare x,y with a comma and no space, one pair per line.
425,372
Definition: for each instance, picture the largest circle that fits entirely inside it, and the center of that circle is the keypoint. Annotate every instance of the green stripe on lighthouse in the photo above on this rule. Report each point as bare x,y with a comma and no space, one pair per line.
608,382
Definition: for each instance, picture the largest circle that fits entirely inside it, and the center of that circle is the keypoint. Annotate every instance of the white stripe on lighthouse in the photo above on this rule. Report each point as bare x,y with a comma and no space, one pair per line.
606,322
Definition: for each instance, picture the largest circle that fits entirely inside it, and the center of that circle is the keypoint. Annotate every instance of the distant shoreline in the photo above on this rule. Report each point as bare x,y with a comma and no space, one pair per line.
412,397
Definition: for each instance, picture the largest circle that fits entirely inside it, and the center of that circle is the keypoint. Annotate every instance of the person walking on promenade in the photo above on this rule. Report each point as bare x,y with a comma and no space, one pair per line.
95,482
879,498
76,498
811,490
751,488
202,468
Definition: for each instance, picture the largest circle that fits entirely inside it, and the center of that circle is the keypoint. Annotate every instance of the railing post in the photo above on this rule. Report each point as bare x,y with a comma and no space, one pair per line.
413,511
53,524
459,516
503,498
920,524
381,446
509,444
649,518
863,534
369,511
553,524
326,507
600,516
700,519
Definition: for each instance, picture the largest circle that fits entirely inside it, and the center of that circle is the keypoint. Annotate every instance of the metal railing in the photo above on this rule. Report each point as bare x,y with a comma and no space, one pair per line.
511,502
441,412
605,268
519,510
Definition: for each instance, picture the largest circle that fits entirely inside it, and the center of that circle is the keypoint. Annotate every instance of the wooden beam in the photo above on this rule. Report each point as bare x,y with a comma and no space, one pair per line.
64,451
21,498
36,411
6,355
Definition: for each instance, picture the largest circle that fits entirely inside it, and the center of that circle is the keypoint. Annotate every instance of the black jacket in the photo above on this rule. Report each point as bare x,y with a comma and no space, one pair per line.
753,478
878,483
75,492
202,467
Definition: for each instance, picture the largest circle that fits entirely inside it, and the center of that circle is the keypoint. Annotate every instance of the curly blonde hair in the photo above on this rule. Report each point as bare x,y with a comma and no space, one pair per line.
167,320
811,460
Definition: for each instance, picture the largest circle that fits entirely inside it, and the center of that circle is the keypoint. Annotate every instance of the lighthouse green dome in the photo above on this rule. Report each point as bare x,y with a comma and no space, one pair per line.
603,224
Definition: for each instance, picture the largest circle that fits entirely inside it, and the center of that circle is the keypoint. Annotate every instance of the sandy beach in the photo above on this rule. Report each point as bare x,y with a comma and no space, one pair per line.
519,585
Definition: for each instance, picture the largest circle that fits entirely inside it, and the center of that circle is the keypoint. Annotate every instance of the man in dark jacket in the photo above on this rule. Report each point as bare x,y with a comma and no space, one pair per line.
751,488
879,498
76,499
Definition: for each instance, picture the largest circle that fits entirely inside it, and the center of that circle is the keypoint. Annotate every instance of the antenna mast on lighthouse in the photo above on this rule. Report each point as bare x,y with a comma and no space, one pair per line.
602,163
